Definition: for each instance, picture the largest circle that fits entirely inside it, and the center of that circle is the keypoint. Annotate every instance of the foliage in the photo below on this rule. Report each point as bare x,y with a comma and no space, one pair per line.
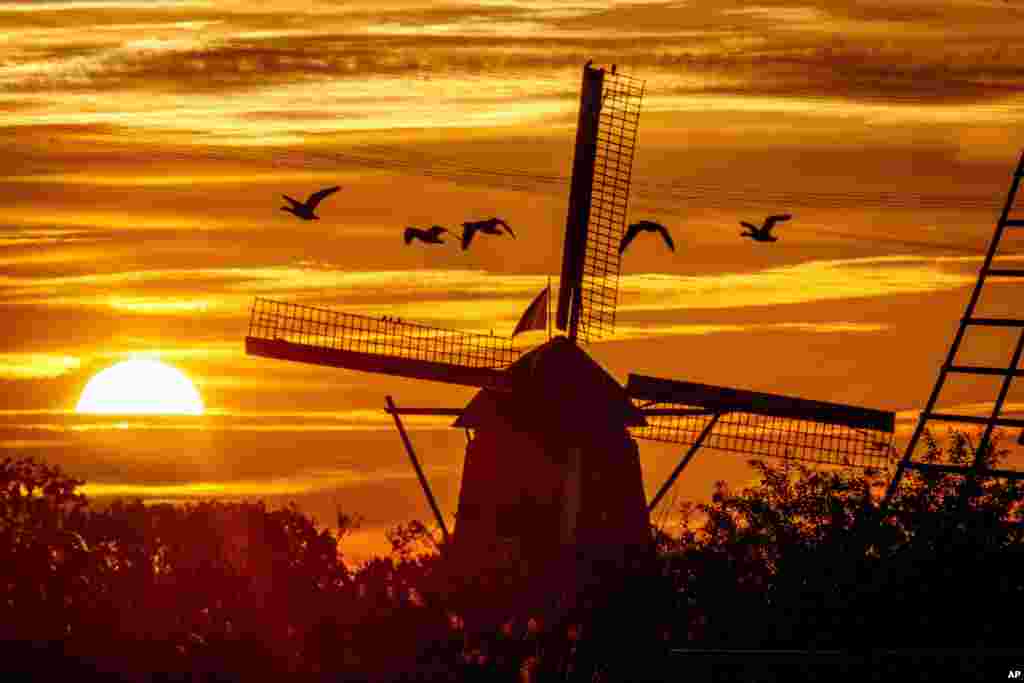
801,558
806,559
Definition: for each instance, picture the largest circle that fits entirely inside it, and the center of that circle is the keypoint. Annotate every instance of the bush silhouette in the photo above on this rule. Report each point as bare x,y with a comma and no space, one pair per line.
234,590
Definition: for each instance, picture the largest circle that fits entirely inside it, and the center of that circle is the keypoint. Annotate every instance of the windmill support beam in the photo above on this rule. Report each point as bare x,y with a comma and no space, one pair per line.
425,411
377,363
419,470
683,463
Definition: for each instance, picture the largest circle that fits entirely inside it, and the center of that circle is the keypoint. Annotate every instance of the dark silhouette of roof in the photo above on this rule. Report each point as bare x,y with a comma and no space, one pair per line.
556,387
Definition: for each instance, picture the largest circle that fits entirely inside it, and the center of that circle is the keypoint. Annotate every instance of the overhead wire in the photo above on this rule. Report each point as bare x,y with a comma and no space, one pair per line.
711,195
660,195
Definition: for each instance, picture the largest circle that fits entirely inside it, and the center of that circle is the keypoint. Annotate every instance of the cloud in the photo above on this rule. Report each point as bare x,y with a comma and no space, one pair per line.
466,64
779,14
13,237
32,444
801,283
316,480
100,68
207,350
234,421
352,420
29,6
36,365
195,489
975,409
496,297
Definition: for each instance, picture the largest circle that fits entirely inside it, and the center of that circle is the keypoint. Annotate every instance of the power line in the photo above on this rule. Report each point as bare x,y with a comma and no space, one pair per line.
660,195
446,168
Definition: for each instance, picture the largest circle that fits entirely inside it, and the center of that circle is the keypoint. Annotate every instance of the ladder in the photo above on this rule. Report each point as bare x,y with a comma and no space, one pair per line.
1008,373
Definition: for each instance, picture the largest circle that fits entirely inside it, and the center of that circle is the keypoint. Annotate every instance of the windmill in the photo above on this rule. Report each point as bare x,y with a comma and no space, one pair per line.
552,476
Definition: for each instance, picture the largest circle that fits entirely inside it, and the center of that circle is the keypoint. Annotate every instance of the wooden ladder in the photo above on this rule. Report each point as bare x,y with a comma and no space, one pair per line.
977,469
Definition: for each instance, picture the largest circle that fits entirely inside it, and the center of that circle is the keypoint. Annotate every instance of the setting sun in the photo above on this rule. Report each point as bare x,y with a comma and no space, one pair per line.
140,386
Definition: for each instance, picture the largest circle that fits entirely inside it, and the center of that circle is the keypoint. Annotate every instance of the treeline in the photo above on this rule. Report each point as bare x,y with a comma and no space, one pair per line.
234,591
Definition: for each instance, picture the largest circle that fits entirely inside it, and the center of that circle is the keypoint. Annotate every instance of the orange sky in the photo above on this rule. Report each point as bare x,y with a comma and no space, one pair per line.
147,143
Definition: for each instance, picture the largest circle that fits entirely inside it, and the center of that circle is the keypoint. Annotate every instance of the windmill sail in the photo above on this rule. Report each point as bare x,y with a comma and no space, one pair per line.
536,315
762,424
598,196
308,334
580,191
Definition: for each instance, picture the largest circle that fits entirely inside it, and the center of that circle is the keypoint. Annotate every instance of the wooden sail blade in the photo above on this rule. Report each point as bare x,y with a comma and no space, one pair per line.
762,424
377,363
308,334
613,167
606,131
580,195
645,388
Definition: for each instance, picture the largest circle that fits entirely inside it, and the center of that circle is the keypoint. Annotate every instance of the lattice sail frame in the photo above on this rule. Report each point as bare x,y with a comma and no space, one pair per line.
761,424
322,328
613,167
774,437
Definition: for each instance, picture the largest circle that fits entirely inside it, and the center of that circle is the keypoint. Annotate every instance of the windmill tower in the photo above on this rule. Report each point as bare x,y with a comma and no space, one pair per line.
572,486
552,478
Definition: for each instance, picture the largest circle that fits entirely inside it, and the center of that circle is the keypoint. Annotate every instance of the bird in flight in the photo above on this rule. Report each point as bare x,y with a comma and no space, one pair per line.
489,226
305,209
431,235
763,234
645,226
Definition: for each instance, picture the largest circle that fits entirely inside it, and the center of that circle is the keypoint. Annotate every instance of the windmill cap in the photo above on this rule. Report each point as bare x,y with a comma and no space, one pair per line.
556,383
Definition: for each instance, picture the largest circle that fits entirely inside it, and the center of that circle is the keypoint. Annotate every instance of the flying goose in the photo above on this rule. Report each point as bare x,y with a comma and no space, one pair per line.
489,226
645,226
763,234
305,210
431,235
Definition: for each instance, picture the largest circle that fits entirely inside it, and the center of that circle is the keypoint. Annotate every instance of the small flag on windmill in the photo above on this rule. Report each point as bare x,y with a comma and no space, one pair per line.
536,315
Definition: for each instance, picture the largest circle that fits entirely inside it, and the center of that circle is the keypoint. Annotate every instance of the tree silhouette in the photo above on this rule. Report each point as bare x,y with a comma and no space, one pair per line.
234,590
800,559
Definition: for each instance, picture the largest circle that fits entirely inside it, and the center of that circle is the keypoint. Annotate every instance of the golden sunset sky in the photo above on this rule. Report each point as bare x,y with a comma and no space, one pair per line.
147,143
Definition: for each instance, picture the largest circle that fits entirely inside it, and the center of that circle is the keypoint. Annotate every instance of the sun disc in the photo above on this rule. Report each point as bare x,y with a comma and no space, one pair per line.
140,387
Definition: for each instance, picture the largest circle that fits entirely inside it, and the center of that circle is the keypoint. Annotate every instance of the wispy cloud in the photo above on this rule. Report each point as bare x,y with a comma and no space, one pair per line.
315,480
353,420
442,294
207,351
36,365
27,6
779,14
34,444
802,283
415,65
974,409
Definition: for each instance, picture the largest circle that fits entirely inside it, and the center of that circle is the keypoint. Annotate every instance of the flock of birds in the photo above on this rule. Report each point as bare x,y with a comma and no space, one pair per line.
432,235
496,226
493,226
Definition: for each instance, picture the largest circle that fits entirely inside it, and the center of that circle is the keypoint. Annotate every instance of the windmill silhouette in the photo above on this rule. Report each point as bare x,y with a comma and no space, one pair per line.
552,476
